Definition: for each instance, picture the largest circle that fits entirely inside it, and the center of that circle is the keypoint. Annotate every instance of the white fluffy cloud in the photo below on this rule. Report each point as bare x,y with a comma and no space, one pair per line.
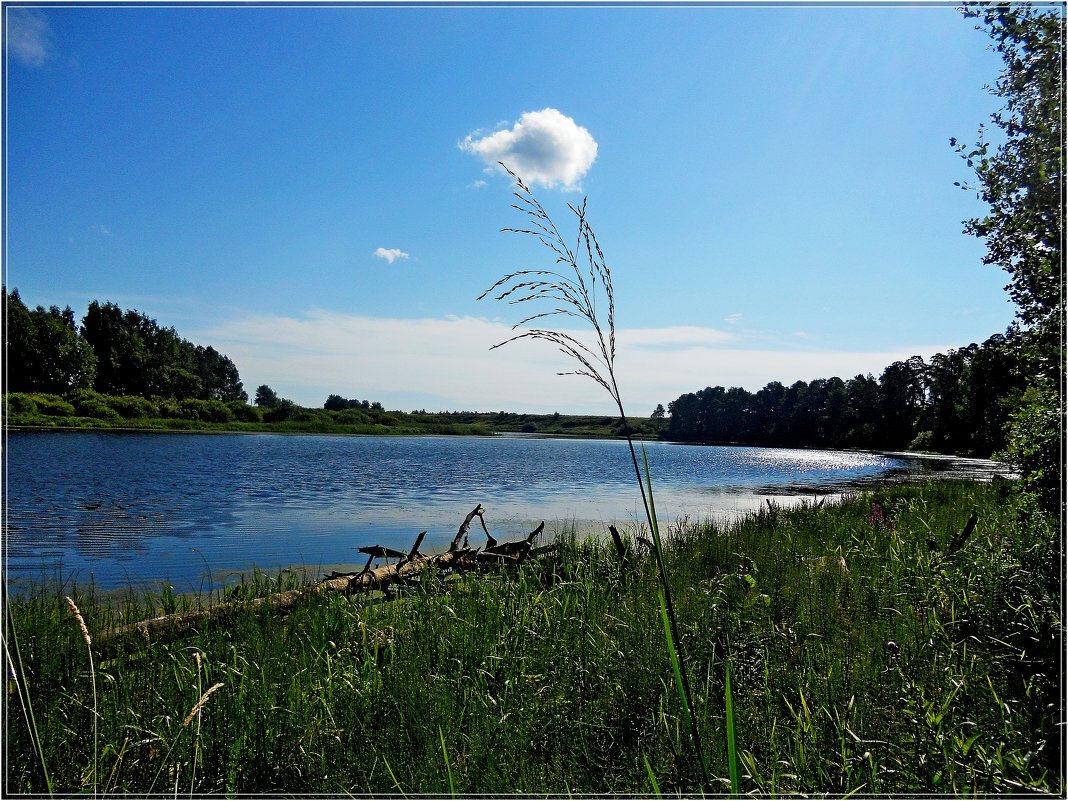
447,364
390,254
544,147
29,37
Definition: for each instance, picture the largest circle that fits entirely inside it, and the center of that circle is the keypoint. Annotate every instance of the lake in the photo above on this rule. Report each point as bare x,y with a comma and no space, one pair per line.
195,510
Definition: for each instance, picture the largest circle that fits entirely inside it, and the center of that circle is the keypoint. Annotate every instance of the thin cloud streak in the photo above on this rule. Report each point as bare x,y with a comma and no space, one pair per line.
674,335
449,361
29,37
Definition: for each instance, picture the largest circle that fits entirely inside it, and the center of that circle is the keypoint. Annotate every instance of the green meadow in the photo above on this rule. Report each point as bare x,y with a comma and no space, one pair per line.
872,649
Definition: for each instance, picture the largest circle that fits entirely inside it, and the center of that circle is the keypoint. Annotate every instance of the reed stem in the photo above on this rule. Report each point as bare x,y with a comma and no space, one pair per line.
576,297
92,677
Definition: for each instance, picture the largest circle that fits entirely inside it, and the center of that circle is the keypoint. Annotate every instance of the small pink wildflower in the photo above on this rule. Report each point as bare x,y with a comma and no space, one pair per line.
876,515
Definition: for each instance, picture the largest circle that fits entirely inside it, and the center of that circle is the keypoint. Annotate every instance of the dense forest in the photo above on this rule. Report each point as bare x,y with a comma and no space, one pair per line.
958,403
114,352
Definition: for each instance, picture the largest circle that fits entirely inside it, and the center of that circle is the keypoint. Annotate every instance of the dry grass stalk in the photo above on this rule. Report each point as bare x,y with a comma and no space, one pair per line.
200,704
81,622
574,294
92,675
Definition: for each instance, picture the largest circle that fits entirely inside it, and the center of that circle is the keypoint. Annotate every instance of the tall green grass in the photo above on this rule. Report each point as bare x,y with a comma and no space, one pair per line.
547,680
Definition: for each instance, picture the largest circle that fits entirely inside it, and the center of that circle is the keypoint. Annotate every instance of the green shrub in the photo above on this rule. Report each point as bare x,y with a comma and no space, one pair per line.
924,441
245,413
19,403
130,406
168,408
350,417
1035,444
209,411
97,409
77,396
285,410
385,418
52,405
88,403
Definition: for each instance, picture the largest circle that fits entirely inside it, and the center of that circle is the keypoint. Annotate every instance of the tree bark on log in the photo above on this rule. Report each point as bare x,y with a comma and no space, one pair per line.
460,557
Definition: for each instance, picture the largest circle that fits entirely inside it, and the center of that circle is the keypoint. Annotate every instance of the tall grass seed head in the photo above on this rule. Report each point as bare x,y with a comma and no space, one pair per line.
81,621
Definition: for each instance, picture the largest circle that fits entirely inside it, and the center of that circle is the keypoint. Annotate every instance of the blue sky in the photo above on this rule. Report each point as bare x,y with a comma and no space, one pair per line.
309,189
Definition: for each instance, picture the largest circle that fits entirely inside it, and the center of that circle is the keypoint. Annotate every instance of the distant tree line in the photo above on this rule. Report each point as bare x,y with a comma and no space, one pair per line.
336,403
112,352
958,403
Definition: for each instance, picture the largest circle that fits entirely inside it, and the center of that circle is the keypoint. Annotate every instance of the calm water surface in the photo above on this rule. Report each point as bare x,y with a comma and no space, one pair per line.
191,509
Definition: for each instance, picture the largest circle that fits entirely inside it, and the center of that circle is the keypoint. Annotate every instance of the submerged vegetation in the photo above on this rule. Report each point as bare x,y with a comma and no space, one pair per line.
873,649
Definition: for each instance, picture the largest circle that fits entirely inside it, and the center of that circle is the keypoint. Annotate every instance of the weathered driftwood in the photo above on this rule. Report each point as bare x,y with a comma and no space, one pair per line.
460,556
959,539
621,548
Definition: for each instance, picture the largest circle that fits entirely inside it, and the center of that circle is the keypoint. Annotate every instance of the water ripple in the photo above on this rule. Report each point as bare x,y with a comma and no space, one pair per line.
131,507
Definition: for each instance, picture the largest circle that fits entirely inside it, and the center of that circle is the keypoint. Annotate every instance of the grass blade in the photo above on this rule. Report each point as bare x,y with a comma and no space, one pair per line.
19,678
667,613
732,743
394,777
652,777
448,768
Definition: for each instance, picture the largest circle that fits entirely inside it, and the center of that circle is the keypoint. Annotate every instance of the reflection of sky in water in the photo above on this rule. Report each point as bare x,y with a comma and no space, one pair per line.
127,508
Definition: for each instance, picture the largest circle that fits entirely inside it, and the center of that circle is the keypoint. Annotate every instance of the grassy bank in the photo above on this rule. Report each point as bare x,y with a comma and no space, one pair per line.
84,410
869,652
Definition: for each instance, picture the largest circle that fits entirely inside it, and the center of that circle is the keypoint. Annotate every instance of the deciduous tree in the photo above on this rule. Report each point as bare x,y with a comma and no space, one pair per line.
1022,182
266,397
44,352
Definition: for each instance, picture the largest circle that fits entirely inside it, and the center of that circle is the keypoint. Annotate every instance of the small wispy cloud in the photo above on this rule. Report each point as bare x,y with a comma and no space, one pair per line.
103,230
731,319
544,148
390,254
479,184
29,37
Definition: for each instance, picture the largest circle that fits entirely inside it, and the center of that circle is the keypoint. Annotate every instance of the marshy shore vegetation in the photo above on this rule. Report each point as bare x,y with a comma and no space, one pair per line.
872,648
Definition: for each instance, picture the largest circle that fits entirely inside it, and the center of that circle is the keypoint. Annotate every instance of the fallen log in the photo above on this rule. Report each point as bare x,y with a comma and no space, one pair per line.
409,566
